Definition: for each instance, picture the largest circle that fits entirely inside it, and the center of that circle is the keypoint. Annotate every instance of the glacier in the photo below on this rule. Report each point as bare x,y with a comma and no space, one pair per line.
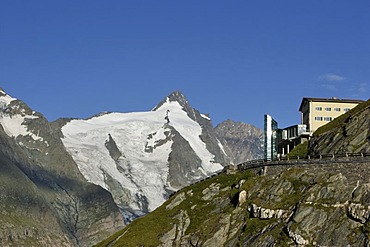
138,176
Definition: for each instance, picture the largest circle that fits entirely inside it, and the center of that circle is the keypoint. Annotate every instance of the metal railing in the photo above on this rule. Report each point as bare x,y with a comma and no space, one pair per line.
315,159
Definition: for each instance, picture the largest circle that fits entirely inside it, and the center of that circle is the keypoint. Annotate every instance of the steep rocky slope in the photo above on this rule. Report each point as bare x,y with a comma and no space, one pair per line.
243,141
301,205
349,133
44,199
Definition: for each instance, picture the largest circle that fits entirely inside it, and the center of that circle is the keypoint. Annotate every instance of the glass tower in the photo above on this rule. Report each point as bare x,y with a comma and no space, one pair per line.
271,136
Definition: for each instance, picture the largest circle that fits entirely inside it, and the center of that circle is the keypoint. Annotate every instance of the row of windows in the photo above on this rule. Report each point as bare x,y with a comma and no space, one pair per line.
328,119
319,108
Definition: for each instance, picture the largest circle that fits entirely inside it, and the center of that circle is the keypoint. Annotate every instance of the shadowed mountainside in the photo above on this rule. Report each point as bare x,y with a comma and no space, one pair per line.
45,201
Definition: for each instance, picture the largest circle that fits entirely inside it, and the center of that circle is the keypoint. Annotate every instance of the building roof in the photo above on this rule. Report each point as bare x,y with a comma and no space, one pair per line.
333,99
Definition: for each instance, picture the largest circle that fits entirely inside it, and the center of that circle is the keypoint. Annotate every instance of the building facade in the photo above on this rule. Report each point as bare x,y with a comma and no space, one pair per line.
291,137
317,112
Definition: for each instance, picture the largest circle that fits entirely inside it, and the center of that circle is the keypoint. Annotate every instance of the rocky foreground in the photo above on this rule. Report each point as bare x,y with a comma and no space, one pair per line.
319,205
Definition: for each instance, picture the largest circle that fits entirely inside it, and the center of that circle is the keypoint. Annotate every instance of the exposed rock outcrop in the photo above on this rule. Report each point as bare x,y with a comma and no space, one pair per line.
113,150
265,213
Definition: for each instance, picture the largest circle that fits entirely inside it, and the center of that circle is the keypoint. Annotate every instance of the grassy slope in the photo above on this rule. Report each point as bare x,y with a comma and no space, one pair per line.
205,216
299,151
146,231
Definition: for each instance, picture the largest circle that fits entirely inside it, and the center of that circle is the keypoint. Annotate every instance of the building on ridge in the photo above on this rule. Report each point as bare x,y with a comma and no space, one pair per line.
315,112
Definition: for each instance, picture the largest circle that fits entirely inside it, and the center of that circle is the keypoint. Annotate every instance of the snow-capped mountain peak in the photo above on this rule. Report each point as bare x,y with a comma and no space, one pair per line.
142,157
175,96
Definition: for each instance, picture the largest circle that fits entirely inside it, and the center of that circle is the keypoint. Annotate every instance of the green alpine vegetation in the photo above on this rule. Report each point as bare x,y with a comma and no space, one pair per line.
300,151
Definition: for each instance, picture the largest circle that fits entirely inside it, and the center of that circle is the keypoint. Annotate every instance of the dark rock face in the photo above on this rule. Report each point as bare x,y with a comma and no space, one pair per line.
352,137
111,145
183,162
45,201
243,141
160,142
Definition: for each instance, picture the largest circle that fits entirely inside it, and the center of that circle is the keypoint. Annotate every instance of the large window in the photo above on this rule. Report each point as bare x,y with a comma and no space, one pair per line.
319,108
336,109
318,118
327,108
328,119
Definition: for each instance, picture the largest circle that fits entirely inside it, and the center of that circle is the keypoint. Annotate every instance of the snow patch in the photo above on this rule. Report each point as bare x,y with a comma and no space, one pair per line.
205,116
221,146
5,100
14,124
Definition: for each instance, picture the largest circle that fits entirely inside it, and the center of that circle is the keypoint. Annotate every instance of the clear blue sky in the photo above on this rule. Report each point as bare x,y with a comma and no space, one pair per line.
233,59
